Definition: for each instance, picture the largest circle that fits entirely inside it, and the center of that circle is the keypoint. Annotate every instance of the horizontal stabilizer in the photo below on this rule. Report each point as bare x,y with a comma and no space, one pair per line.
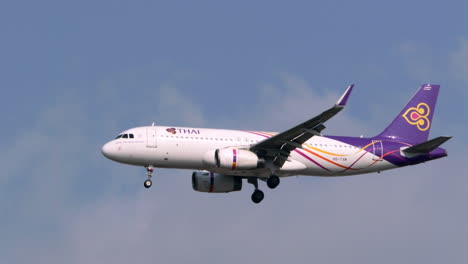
427,146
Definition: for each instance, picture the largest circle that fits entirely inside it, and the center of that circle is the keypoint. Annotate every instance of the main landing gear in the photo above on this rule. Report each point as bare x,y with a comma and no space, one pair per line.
273,182
258,195
149,173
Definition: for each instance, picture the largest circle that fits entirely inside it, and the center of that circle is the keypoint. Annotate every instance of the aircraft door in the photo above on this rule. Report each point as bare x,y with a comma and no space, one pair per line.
378,150
151,137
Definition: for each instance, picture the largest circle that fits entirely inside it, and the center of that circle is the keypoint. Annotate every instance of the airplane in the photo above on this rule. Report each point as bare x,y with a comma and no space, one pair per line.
223,158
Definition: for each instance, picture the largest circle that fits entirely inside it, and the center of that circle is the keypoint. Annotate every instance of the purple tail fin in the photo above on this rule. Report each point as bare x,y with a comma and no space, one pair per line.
414,122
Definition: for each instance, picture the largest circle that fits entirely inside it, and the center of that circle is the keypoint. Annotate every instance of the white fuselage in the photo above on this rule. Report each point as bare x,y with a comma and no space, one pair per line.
186,148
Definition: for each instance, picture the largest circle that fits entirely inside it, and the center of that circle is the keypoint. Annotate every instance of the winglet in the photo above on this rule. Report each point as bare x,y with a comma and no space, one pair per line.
344,98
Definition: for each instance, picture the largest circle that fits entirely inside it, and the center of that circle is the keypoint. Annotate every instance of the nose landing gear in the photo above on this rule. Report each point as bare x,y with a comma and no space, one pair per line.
149,173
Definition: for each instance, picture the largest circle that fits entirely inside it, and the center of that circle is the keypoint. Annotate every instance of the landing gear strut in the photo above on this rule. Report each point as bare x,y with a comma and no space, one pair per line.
149,174
257,195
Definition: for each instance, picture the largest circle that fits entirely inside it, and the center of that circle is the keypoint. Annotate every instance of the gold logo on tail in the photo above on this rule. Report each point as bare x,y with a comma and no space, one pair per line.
417,116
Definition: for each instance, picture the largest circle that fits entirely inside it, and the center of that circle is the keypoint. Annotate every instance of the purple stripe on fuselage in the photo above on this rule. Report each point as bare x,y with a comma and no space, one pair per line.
302,154
350,166
256,133
362,142
309,158
391,149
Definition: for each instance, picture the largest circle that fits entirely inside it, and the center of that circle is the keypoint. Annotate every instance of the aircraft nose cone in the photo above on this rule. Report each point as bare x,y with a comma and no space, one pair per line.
107,150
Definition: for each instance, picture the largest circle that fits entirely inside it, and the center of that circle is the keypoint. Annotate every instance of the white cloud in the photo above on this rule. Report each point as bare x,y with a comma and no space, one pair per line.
293,101
396,216
328,220
143,96
426,63
53,169
174,105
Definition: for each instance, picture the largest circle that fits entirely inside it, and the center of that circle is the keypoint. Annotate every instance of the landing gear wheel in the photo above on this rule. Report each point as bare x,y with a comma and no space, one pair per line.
149,174
257,196
148,183
273,182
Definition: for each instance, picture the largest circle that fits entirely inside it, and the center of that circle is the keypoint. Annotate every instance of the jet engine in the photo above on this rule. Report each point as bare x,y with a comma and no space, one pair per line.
204,181
233,159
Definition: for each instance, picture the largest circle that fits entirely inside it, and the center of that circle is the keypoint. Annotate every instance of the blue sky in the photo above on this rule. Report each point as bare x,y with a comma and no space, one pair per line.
77,73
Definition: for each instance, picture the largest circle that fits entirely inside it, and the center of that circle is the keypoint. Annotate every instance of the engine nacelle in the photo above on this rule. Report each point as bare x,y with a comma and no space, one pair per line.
232,159
204,181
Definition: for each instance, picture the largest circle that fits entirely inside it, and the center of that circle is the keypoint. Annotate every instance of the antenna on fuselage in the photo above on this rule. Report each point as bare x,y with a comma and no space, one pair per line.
152,124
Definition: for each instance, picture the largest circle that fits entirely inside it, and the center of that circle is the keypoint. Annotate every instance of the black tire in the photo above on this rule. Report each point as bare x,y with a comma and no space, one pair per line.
257,196
273,182
148,183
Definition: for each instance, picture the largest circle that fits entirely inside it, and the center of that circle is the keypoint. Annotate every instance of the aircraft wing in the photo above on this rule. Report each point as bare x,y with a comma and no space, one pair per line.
279,146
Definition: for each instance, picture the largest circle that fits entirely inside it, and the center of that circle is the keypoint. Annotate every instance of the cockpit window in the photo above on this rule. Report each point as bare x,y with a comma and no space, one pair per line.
125,136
